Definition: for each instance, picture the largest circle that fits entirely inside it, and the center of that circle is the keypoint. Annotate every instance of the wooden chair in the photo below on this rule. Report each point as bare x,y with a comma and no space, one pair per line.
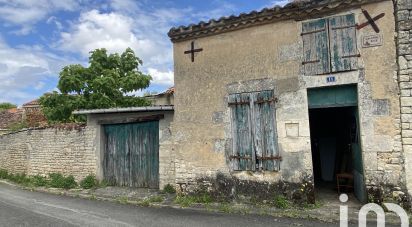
348,181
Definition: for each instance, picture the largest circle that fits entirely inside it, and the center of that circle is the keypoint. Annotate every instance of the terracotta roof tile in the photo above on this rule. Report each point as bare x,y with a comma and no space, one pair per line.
298,10
32,103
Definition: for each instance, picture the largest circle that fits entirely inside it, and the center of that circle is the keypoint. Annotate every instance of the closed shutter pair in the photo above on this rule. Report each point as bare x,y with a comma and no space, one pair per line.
330,45
254,132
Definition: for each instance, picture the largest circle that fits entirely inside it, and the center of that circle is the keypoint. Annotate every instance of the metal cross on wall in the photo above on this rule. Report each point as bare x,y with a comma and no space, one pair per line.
192,50
371,21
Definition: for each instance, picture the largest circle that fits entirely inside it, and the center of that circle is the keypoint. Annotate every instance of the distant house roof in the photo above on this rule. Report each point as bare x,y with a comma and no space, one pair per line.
297,10
125,110
33,103
169,91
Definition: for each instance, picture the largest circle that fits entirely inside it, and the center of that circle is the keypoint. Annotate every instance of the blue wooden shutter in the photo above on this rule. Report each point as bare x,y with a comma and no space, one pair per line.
242,132
343,48
265,135
316,58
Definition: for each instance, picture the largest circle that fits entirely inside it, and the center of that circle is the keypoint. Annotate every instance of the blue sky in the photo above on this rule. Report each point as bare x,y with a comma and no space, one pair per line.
39,37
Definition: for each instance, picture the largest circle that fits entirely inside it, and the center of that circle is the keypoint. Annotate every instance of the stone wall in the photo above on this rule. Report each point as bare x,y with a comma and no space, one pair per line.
403,13
49,150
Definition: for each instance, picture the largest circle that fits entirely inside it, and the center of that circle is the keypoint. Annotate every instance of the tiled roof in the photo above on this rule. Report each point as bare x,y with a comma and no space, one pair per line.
298,10
32,103
169,91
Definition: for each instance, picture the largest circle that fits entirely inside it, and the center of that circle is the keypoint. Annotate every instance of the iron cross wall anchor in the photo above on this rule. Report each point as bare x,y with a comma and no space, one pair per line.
192,50
371,21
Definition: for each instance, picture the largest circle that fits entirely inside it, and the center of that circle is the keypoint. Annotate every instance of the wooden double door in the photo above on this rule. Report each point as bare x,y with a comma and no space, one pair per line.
131,154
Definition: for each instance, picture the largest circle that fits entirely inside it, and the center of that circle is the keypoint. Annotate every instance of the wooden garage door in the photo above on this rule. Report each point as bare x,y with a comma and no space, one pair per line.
131,156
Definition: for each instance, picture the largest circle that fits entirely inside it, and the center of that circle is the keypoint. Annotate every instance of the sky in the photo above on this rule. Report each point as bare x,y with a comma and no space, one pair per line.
39,37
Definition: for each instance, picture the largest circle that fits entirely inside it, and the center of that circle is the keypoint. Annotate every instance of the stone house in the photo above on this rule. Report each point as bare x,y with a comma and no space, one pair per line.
285,100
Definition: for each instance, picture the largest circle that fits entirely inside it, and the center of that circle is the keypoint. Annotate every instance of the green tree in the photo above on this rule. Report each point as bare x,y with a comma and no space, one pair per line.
6,106
106,83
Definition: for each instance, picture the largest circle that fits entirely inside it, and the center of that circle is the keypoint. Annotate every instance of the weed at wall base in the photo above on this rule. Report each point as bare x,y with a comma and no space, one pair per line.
88,182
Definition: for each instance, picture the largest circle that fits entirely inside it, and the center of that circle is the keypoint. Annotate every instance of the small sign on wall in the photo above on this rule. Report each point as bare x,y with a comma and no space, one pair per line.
372,40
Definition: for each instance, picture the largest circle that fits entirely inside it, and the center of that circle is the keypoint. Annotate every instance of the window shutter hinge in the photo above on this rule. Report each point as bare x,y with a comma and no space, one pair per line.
352,56
309,62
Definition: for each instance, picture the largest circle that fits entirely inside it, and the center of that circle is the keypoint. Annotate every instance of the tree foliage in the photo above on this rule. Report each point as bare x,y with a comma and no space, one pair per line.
106,83
6,106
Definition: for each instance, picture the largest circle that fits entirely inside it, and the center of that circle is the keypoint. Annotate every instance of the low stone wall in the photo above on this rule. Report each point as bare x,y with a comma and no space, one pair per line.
49,150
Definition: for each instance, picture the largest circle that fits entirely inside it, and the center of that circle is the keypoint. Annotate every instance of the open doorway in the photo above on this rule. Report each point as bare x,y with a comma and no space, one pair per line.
335,143
331,131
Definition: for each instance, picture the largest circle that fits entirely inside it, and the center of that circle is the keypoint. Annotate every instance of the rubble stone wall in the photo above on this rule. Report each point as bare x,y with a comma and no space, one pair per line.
403,13
50,150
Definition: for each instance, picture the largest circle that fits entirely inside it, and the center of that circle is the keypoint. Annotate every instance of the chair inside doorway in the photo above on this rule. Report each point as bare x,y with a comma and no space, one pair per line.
333,130
335,143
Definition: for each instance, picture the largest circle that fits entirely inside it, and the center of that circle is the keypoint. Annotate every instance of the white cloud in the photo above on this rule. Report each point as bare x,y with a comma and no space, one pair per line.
161,78
26,13
279,2
125,5
55,21
116,32
25,69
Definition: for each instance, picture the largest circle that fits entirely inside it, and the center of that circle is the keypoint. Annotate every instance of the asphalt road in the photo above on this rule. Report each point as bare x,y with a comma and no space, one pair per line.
25,208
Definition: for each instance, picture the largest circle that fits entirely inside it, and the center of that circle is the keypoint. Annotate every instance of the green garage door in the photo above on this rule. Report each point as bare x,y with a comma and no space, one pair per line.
131,156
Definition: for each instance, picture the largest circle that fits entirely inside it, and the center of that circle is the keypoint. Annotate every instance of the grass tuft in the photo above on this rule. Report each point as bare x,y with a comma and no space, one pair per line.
281,202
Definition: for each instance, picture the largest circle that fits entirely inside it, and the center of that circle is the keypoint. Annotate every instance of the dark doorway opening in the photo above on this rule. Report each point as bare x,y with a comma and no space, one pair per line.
334,135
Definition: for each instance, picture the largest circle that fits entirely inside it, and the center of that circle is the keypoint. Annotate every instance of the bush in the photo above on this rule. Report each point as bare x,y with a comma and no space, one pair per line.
4,174
169,189
39,181
89,182
57,180
69,182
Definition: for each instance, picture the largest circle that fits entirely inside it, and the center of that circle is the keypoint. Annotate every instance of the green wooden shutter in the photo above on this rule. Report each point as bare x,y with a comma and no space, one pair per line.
242,138
265,135
343,48
316,58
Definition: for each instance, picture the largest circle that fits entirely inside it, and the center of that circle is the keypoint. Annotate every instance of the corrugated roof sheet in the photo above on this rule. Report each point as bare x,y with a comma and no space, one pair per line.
125,110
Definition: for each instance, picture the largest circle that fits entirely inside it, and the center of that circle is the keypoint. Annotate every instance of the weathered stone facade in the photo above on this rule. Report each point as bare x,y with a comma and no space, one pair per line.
403,12
268,56
49,150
